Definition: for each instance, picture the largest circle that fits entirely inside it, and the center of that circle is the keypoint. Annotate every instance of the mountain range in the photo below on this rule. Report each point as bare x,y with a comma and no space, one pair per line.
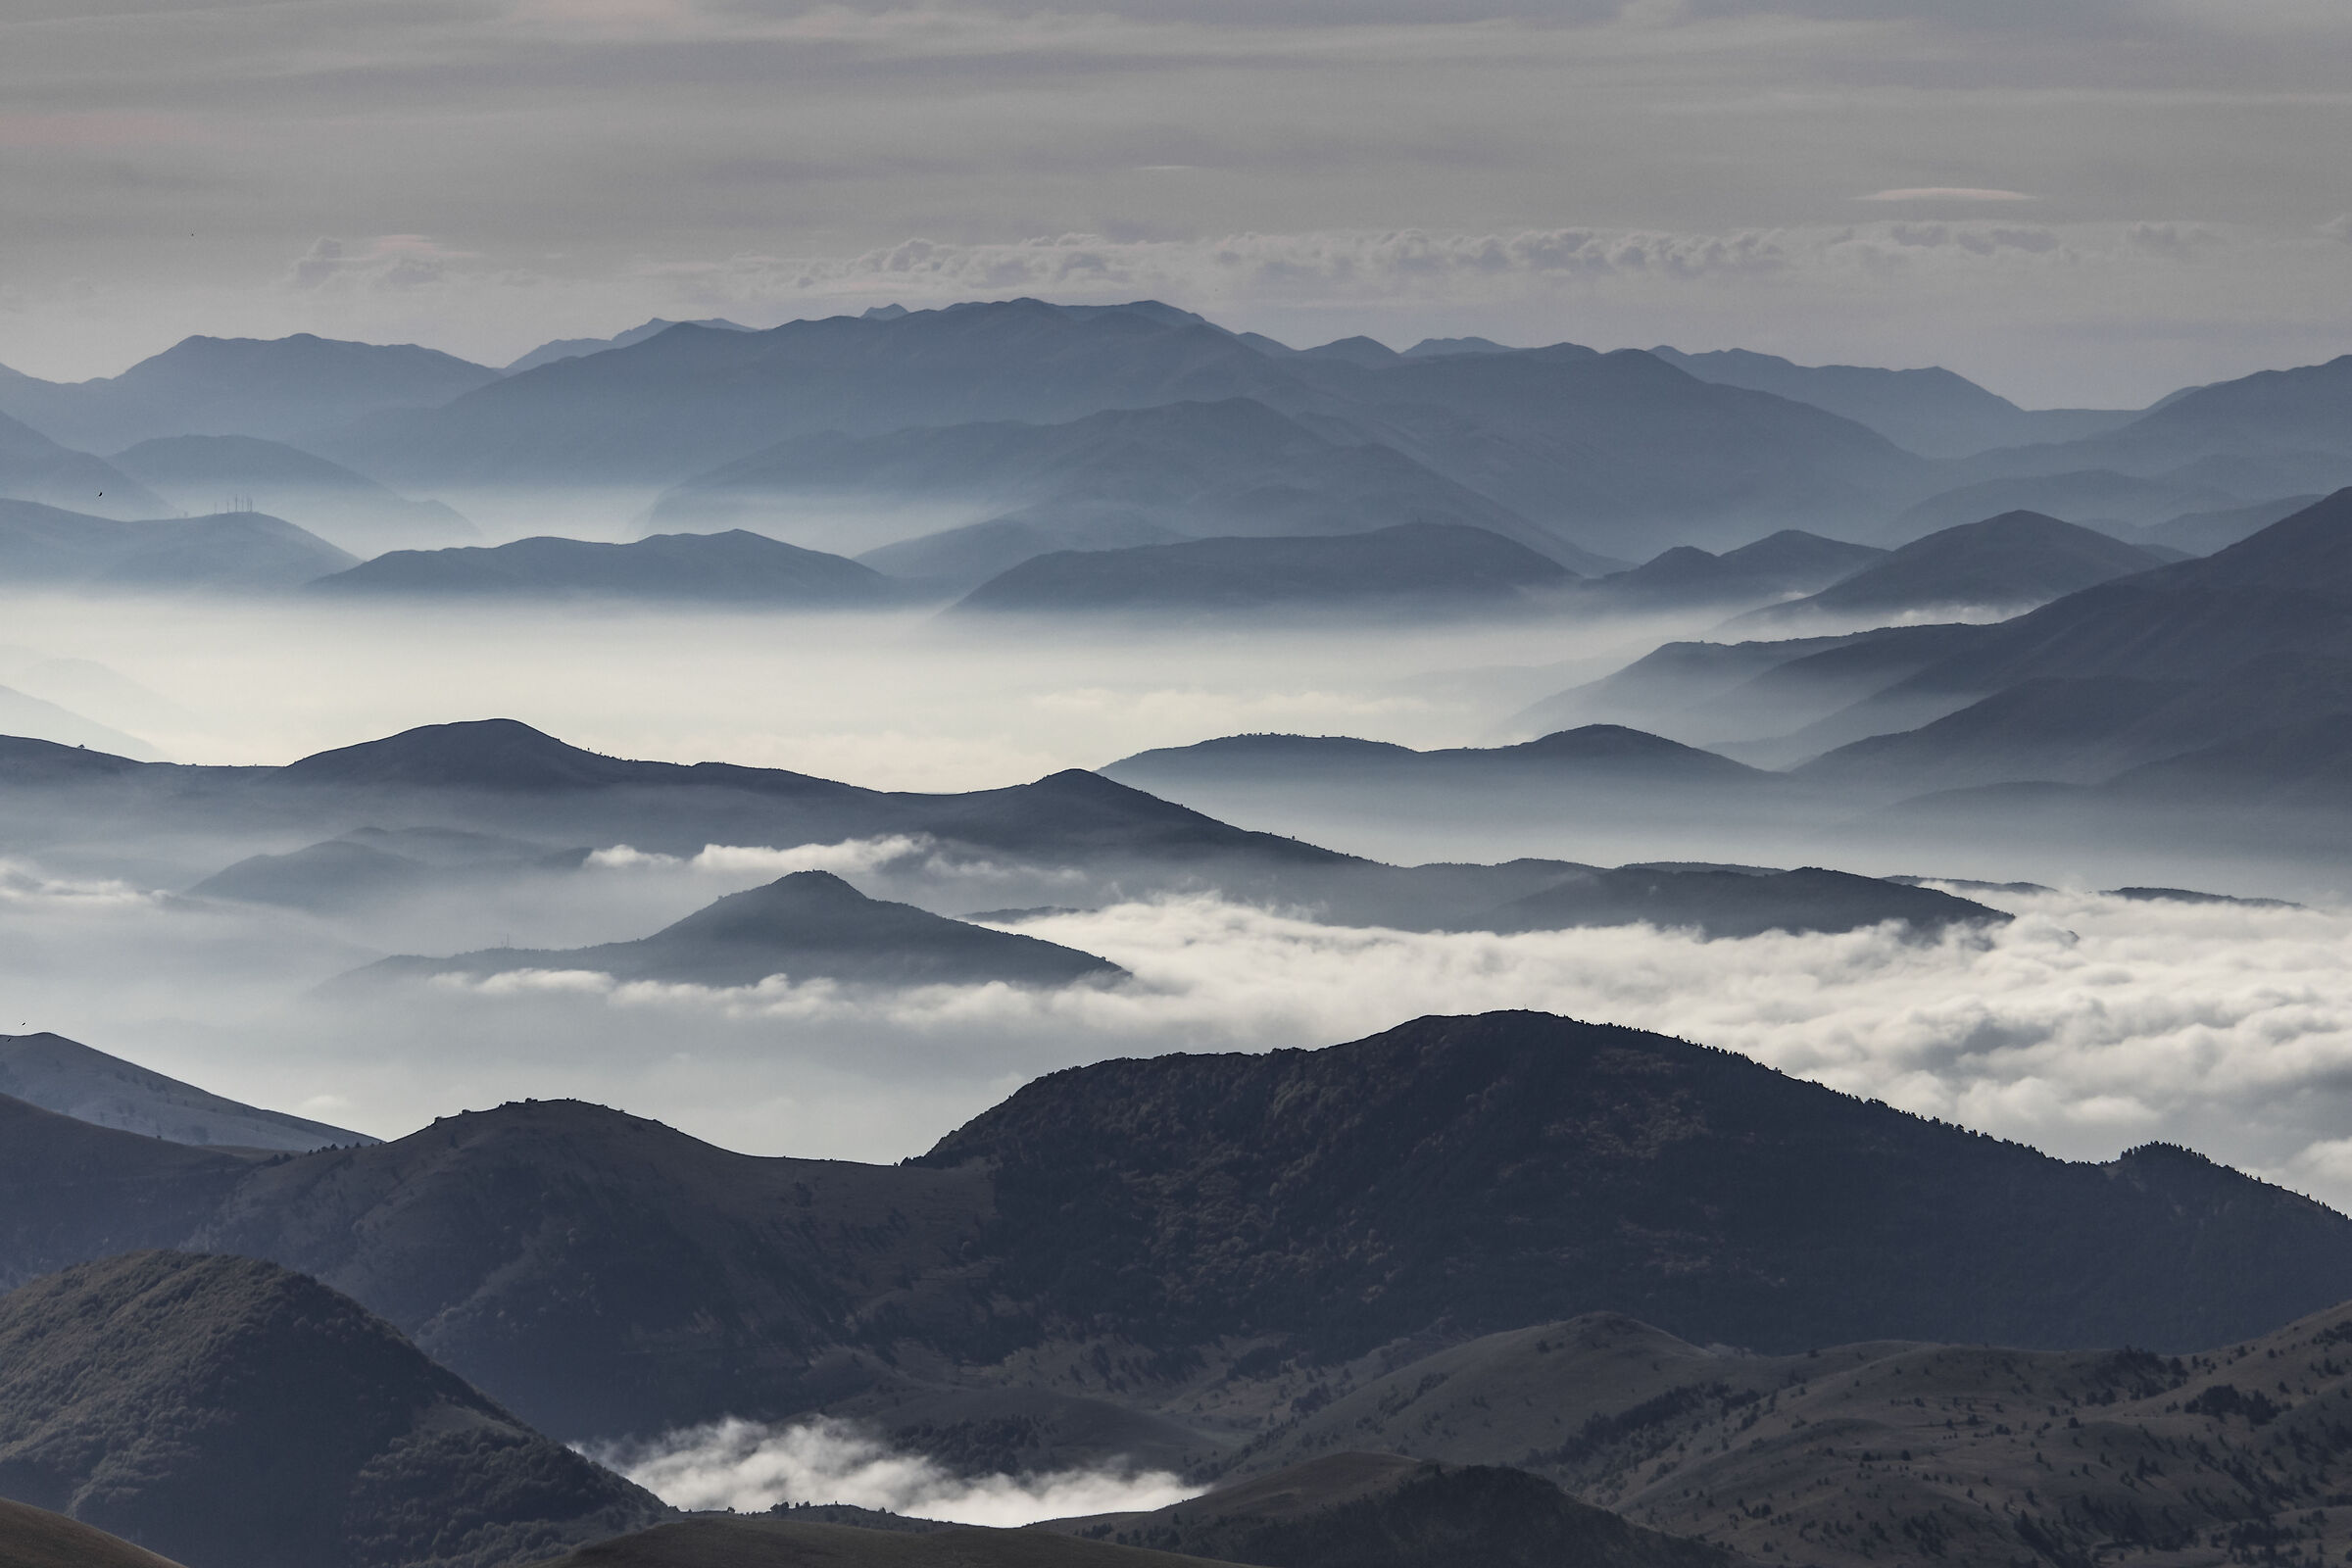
1233,466
734,567
2213,689
496,804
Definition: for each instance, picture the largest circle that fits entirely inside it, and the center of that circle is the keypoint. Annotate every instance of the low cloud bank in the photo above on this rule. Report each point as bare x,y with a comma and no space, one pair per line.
750,1467
2087,1025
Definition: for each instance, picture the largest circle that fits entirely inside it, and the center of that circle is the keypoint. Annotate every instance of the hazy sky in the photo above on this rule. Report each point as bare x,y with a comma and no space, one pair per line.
481,174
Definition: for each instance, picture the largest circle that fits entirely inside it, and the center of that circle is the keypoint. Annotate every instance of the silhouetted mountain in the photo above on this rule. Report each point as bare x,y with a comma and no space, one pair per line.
36,1538
235,552
34,467
1593,752
1458,1176
2016,559
1782,565
809,925
236,1415
1930,412
217,472
71,1079
572,348
1415,565
280,389
2097,496
1379,1511
1194,469
604,1274
733,569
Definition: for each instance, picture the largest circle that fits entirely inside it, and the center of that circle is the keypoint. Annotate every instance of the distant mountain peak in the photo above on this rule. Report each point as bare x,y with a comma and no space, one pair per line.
481,754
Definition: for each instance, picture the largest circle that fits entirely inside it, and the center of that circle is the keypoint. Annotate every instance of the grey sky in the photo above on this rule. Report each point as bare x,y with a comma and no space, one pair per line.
487,173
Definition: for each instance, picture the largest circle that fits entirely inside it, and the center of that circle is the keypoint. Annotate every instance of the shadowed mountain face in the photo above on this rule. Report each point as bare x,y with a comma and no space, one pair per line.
279,389
235,1415
2016,559
202,473
604,1274
727,569
1930,412
809,925
2238,658
1890,1451
1378,1510
235,552
61,1075
34,467
1415,565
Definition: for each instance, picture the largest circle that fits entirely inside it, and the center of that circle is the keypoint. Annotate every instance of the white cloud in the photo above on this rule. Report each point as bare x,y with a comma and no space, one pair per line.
750,1467
31,887
848,857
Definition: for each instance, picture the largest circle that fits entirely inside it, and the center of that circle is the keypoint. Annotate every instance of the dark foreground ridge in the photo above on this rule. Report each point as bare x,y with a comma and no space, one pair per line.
1496,1170
603,1274
234,1415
